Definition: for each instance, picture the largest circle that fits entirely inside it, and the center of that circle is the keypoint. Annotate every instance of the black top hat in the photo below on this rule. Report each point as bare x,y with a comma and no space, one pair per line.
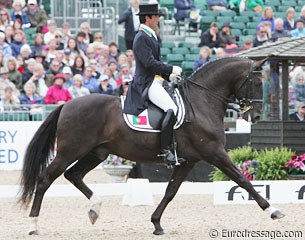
149,9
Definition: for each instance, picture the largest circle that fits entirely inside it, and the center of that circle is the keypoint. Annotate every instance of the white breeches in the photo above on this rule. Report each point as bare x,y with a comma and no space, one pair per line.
158,96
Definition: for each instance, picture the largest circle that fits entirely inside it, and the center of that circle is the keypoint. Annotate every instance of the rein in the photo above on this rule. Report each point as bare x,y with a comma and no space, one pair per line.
245,104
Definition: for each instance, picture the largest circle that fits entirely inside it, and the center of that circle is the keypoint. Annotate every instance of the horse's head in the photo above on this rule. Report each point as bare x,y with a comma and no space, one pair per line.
250,92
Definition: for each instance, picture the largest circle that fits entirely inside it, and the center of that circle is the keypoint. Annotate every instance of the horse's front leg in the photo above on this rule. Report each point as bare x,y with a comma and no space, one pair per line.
177,178
223,162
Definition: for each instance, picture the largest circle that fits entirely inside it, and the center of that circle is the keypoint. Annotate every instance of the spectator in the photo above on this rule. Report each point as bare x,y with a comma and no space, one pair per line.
210,37
184,10
59,56
39,79
68,61
54,68
261,35
40,58
75,51
103,87
68,76
98,37
123,88
17,12
9,99
267,93
9,34
111,78
90,52
80,42
131,22
93,65
204,56
279,31
289,21
51,50
227,40
268,16
299,31
77,89
52,28
299,115
17,24
5,19
5,82
85,28
57,94
299,86
88,80
2,62
250,5
13,75
217,5
114,51
101,64
220,53
25,52
4,47
28,69
79,65
131,61
122,60
112,65
37,16
124,76
18,42
38,44
66,29
30,97
247,44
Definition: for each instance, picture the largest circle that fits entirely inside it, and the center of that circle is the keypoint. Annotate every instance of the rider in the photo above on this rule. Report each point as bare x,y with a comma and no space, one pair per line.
149,76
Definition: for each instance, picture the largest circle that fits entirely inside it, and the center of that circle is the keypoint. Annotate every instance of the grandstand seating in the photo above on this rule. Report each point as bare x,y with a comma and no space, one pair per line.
175,59
187,67
195,50
181,50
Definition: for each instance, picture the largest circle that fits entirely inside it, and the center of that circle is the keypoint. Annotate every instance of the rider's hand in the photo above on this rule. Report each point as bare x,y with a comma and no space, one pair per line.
174,78
177,70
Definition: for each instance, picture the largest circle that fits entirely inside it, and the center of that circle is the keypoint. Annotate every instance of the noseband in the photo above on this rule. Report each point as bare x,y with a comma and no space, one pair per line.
246,103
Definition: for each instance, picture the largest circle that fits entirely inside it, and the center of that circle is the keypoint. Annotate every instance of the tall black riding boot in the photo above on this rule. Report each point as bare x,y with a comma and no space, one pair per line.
167,130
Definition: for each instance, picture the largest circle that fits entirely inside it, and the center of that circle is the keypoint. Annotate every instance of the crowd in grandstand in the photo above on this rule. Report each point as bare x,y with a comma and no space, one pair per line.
57,66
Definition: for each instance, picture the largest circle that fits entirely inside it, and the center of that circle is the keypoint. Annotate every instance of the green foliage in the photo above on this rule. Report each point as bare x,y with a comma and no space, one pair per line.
238,156
272,164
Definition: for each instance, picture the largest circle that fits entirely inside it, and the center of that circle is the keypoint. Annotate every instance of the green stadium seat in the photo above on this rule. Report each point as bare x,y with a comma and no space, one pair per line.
236,32
280,14
187,68
283,8
224,19
243,19
228,13
249,14
251,25
181,50
249,31
211,13
164,51
168,44
238,25
195,50
205,22
199,4
186,44
175,59
289,3
191,57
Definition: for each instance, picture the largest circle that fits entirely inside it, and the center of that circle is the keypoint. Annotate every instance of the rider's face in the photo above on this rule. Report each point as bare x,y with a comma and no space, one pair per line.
153,21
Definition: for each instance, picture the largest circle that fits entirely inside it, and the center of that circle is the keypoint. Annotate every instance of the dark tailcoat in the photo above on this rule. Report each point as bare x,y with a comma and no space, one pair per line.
147,55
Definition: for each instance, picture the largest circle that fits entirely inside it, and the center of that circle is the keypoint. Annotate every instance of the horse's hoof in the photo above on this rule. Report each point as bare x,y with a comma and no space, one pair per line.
33,232
277,215
92,216
159,231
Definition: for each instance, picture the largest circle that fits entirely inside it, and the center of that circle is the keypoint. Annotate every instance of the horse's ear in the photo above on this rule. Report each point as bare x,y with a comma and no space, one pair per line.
258,64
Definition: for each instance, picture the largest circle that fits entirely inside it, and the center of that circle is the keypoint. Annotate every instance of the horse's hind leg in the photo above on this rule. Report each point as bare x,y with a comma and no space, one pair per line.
177,178
76,174
223,162
53,171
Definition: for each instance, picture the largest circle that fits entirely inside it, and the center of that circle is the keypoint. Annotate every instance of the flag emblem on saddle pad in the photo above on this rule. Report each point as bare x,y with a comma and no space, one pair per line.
139,120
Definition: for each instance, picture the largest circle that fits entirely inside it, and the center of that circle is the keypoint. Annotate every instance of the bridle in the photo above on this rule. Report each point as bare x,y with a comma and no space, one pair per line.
245,104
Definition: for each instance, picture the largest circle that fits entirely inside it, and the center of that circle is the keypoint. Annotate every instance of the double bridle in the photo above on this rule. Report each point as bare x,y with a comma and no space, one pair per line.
245,104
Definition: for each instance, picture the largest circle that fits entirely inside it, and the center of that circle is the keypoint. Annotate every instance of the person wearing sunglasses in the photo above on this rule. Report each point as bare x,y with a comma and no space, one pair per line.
299,114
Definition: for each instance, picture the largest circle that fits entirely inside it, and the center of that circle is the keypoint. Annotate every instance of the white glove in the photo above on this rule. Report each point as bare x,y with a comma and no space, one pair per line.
174,78
177,70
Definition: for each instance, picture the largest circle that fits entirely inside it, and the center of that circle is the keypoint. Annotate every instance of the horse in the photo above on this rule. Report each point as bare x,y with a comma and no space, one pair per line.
89,128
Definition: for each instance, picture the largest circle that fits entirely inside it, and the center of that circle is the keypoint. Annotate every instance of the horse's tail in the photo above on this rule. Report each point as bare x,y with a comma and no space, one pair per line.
37,155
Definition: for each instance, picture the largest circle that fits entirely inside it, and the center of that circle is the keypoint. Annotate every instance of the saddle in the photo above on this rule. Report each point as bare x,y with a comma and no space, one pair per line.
150,119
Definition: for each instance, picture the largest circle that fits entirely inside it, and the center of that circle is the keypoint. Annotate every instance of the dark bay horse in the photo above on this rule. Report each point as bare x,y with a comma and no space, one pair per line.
90,128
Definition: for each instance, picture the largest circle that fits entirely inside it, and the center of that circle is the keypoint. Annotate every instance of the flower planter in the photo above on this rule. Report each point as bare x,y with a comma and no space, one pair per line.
117,173
296,177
